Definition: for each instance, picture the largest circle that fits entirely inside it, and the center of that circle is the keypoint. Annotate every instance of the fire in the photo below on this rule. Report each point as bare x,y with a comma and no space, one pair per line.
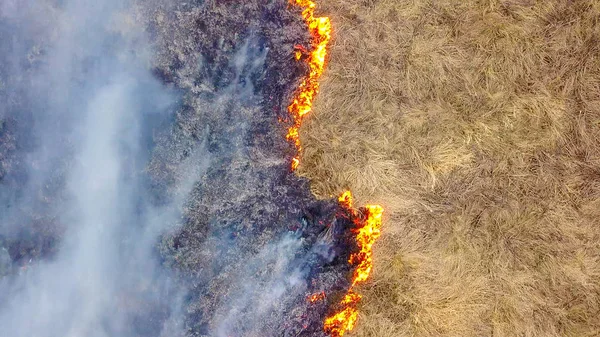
345,320
366,237
346,199
368,227
367,231
317,297
320,30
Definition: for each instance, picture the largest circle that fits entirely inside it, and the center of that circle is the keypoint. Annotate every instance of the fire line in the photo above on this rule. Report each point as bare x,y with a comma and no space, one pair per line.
367,230
367,224
320,30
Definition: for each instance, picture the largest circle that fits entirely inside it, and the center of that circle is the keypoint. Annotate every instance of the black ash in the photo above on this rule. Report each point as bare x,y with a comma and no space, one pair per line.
237,244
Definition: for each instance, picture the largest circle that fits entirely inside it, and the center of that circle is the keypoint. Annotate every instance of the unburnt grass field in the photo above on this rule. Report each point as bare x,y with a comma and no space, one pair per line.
476,124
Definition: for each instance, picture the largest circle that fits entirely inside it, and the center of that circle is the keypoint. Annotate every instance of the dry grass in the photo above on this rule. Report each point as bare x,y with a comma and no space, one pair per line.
477,125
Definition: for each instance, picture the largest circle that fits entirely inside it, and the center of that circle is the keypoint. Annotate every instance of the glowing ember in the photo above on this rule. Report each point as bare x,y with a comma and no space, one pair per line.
317,297
367,231
320,30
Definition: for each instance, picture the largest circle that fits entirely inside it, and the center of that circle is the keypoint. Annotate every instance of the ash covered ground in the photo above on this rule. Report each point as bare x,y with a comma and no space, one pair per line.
145,183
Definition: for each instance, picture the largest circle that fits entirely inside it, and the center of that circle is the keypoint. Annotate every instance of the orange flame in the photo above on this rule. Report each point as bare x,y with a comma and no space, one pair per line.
344,320
366,237
320,30
346,200
367,232
317,297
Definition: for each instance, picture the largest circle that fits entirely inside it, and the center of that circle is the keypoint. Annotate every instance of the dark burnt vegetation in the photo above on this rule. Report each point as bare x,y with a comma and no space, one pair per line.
252,243
235,63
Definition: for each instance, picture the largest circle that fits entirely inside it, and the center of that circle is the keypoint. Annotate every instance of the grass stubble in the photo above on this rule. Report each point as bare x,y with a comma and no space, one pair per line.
476,124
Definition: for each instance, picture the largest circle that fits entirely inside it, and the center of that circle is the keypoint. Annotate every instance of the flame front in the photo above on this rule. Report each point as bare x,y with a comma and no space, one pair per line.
320,30
366,237
345,319
367,231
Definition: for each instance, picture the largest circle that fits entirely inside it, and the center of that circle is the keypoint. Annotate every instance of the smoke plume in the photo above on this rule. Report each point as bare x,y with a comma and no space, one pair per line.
88,106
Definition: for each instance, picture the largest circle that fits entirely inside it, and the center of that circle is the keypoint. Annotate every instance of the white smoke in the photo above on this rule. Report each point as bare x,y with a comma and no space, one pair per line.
92,100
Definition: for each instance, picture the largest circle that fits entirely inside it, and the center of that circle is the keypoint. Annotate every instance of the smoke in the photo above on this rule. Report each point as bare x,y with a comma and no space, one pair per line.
272,281
88,108
252,270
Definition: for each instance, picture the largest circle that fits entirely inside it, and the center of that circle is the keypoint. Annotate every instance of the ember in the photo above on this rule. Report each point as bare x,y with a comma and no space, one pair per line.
316,297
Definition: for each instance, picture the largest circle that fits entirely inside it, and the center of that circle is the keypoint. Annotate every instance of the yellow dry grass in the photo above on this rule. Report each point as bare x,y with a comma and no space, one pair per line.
476,124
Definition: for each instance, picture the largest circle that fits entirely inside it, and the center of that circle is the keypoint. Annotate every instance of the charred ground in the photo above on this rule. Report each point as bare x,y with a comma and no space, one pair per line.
252,243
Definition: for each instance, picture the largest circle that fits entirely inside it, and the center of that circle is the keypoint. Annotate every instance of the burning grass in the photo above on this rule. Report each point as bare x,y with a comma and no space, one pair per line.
476,124
368,228
367,231
320,30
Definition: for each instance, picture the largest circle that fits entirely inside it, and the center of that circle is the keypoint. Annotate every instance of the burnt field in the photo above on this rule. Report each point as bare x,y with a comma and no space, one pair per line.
145,181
